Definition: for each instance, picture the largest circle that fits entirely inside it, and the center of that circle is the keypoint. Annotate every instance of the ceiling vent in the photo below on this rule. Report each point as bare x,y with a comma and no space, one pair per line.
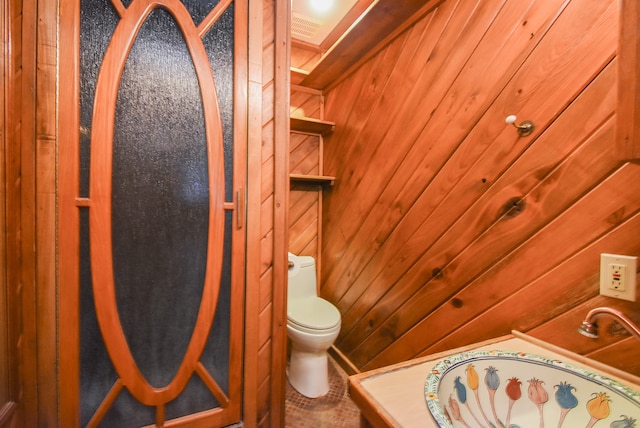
303,27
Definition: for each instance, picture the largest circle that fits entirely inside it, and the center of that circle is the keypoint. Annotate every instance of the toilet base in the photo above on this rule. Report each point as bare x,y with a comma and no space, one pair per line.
308,373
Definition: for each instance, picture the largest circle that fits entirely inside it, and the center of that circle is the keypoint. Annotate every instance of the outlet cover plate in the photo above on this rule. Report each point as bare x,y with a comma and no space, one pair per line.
618,276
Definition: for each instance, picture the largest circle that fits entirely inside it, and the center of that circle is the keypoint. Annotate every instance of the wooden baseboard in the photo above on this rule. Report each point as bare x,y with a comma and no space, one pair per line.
343,361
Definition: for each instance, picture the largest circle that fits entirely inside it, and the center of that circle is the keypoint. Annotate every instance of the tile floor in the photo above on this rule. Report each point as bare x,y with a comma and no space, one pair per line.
333,410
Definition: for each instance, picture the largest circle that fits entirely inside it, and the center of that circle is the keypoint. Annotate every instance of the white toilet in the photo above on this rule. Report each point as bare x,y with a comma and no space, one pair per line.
313,325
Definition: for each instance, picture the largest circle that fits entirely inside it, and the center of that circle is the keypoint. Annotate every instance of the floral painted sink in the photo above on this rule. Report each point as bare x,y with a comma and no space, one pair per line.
517,390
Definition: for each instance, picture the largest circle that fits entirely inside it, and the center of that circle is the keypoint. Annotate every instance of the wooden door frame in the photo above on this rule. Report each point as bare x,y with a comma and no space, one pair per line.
281,208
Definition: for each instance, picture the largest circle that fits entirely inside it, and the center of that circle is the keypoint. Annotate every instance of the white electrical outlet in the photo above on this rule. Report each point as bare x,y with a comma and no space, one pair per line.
618,276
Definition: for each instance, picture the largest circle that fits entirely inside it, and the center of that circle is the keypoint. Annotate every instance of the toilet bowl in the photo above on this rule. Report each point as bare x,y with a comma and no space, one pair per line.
313,325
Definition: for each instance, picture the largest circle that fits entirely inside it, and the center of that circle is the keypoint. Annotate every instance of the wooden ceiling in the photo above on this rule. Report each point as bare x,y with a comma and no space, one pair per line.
379,23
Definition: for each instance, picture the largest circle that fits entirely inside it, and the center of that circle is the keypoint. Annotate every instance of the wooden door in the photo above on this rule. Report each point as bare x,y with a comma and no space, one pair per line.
151,239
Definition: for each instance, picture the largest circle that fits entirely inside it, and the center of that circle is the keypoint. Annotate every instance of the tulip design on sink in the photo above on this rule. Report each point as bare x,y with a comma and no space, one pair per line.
538,396
538,392
514,392
566,400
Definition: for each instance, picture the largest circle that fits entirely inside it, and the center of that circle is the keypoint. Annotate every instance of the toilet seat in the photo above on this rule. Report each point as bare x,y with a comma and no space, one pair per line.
312,314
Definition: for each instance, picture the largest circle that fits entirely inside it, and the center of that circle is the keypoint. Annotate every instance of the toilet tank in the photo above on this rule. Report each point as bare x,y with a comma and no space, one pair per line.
302,276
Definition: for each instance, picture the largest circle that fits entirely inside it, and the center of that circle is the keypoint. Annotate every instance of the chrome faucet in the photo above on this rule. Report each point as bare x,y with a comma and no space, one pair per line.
589,326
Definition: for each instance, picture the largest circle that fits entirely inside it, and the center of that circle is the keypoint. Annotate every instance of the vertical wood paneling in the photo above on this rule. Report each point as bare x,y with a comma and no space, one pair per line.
5,356
28,175
27,234
67,189
45,164
267,205
282,42
257,380
254,269
442,219
28,76
10,385
19,234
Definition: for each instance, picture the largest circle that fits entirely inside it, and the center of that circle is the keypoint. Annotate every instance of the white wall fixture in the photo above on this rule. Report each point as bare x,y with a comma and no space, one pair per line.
618,276
524,129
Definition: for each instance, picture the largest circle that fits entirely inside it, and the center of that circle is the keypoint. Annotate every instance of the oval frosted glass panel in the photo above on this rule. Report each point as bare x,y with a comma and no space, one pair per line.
160,198
220,47
199,9
98,20
215,356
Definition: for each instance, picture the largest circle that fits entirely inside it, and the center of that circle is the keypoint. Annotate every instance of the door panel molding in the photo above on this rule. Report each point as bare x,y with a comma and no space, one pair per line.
100,218
99,206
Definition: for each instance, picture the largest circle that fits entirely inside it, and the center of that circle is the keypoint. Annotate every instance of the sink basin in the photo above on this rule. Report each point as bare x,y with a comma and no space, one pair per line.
519,390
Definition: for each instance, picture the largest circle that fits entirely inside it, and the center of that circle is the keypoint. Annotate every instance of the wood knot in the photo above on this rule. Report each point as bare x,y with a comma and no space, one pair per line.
437,273
616,329
512,207
457,303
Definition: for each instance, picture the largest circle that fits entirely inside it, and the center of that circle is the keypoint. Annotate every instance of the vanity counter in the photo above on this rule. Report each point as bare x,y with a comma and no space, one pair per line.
393,396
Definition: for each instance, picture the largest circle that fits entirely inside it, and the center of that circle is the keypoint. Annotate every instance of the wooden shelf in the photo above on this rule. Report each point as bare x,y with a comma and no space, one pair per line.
323,180
311,125
297,75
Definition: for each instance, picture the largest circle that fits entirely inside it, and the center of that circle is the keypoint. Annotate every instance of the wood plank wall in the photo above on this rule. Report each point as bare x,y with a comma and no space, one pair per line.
6,391
444,227
304,199
28,284
11,382
305,157
45,176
